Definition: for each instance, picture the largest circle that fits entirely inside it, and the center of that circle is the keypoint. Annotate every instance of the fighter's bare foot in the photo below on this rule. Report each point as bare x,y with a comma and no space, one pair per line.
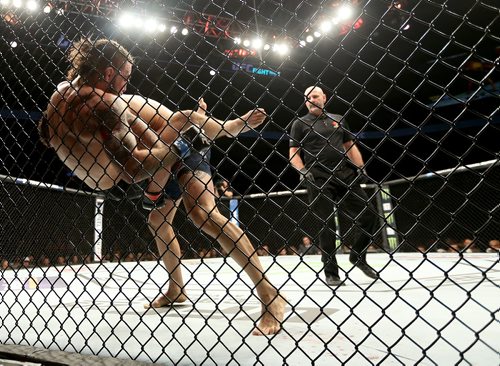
272,317
166,300
253,118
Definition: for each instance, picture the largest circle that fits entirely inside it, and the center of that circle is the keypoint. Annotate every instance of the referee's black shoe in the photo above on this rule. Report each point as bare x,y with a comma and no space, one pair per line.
334,281
364,267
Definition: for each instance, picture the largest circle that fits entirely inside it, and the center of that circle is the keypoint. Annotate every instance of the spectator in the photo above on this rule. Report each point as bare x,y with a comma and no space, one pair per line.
45,261
283,251
307,247
5,264
494,246
75,260
60,260
26,262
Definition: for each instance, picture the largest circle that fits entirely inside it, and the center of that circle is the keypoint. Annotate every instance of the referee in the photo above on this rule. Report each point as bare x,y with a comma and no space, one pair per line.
332,181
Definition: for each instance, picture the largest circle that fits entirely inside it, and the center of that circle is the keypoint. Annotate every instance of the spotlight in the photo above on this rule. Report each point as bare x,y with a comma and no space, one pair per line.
246,43
32,5
257,43
126,20
47,9
162,28
184,31
237,40
302,43
13,44
345,12
317,34
325,26
17,3
309,39
150,26
173,29
281,48
212,72
267,47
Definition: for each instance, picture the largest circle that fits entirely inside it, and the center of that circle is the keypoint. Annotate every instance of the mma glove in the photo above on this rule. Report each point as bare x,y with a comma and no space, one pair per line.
193,139
306,176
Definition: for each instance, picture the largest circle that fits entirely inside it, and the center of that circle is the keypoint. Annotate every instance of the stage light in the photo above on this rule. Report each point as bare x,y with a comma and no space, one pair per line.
47,9
317,34
17,3
151,25
212,72
267,47
345,12
13,44
302,43
162,28
185,31
237,40
326,26
32,5
281,48
246,43
257,43
173,29
309,39
126,20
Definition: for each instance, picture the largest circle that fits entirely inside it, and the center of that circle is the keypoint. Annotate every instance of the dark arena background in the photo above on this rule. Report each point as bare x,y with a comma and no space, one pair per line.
418,84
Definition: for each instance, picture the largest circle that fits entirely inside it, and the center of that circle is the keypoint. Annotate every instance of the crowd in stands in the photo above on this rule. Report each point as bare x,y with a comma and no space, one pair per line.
306,247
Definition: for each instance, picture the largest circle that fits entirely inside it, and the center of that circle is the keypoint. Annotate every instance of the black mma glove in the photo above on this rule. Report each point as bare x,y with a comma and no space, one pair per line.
306,176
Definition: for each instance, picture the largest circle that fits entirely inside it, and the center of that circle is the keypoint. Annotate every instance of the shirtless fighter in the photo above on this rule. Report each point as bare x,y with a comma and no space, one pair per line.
105,136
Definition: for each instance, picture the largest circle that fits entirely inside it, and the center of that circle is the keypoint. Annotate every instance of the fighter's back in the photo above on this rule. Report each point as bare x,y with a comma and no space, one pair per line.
73,132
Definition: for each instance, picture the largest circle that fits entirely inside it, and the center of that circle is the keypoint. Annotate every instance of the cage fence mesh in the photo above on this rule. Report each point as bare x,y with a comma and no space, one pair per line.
415,82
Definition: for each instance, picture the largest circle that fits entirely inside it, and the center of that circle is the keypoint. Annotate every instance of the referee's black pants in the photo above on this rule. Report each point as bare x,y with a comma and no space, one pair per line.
341,191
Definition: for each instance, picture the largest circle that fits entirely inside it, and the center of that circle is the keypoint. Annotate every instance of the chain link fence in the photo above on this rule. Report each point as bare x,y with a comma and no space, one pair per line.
415,82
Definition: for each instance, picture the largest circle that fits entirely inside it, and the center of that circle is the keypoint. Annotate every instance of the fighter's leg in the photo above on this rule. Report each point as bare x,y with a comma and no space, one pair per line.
160,224
200,205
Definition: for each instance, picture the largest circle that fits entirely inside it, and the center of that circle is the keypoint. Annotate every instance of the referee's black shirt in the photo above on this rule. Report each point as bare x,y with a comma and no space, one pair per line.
321,139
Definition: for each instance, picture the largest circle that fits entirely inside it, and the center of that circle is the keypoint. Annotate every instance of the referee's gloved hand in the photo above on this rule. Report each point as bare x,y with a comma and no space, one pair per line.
306,176
363,177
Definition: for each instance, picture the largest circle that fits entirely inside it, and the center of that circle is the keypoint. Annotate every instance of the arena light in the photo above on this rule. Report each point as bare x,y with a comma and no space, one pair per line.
246,43
317,34
173,29
309,39
281,49
237,40
267,47
32,5
326,26
302,43
151,25
257,43
345,12
212,72
162,27
47,9
185,31
13,44
126,20
4,2
17,3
